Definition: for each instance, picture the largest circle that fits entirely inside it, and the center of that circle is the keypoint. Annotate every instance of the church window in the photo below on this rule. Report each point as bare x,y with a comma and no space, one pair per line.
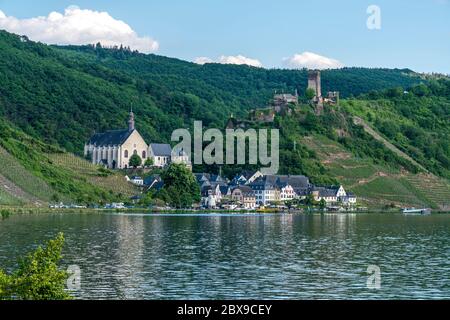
126,154
135,152
144,154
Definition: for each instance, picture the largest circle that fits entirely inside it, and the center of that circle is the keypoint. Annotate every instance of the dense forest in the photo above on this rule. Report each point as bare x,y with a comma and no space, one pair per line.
63,94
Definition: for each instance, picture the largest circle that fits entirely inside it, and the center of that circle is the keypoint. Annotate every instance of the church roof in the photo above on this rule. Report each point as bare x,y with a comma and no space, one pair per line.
161,150
110,138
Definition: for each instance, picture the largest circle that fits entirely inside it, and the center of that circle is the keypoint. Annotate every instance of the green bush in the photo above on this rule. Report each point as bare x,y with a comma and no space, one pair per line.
38,276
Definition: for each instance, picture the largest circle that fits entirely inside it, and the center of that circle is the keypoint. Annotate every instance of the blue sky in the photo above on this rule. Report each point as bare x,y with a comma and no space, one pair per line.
414,34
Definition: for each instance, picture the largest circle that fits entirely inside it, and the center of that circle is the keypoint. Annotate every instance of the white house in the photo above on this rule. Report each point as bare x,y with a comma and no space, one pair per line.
211,195
287,193
160,153
265,190
136,180
245,196
333,195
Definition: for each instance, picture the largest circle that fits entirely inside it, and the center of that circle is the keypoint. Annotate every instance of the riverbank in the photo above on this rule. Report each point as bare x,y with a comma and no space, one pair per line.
6,212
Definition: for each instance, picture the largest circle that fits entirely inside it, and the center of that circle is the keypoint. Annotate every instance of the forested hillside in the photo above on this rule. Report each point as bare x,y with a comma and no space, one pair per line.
62,95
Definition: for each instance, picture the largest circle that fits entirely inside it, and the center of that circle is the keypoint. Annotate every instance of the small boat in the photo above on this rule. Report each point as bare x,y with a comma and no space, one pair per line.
416,211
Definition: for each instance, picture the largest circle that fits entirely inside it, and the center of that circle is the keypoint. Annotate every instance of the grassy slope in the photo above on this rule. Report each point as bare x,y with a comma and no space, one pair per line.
114,183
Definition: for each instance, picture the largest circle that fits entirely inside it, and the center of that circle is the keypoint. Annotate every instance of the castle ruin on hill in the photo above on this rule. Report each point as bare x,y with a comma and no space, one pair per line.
282,103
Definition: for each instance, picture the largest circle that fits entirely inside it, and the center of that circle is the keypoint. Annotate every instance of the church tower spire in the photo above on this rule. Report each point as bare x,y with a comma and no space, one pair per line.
131,125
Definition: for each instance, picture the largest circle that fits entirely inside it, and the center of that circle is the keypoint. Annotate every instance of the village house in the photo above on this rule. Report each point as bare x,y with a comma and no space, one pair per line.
213,188
333,195
136,180
265,190
280,188
160,153
287,193
211,196
244,196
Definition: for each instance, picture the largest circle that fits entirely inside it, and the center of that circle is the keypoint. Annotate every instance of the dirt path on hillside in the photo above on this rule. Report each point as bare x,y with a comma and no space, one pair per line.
17,192
390,146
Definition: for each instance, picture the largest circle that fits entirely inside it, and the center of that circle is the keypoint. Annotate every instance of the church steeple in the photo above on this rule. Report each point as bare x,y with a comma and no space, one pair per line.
131,126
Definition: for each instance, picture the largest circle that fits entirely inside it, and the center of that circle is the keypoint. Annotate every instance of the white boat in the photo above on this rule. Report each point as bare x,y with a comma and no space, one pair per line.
416,211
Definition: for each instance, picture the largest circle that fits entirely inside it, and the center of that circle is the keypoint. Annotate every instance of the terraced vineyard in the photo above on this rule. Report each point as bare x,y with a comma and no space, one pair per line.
111,181
438,190
377,184
19,183
6,198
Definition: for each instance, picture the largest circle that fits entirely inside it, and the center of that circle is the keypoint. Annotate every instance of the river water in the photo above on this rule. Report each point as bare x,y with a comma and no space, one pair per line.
218,256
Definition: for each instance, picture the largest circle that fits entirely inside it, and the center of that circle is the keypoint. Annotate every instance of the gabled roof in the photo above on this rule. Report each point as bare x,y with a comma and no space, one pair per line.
327,191
210,189
295,181
161,150
265,183
246,190
269,182
202,176
224,189
110,138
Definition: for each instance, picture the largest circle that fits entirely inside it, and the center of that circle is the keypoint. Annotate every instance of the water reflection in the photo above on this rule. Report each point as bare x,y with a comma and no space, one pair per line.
245,256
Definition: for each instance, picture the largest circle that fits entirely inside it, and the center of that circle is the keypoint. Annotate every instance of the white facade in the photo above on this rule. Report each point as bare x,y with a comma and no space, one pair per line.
160,161
287,193
265,196
118,156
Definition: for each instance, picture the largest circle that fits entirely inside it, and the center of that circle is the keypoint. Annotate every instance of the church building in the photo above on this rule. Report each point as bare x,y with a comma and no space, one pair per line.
114,148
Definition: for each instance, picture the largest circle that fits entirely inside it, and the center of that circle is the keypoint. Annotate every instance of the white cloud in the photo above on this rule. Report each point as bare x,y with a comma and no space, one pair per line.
239,59
203,60
311,60
77,26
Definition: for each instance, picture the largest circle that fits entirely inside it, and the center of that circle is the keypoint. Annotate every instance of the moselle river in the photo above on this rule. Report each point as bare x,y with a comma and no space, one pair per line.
243,256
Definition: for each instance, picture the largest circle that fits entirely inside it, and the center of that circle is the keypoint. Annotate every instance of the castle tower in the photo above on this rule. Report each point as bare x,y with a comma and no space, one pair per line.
314,83
131,124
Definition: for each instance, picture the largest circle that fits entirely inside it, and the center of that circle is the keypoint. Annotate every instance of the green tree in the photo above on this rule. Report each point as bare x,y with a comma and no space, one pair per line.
38,276
322,204
310,93
149,162
135,161
180,185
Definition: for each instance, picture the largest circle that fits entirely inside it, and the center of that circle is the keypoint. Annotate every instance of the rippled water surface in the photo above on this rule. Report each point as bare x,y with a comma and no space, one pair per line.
243,256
